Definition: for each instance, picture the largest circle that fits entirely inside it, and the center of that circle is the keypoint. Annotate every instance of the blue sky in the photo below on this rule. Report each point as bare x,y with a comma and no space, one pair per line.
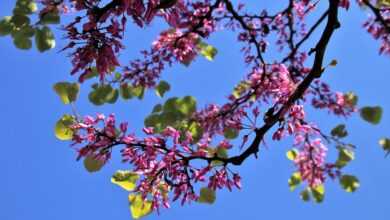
40,178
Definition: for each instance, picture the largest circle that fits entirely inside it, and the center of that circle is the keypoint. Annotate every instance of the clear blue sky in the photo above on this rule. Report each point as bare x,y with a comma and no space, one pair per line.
40,178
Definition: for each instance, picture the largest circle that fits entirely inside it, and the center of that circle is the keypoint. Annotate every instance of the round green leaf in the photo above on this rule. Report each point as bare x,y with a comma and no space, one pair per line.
372,115
6,26
339,131
292,154
92,164
62,129
23,43
162,88
44,39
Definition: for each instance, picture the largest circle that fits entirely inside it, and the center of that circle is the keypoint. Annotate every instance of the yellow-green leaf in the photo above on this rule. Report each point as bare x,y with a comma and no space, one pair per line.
294,180
208,51
292,154
318,193
138,206
62,129
349,183
125,179
68,92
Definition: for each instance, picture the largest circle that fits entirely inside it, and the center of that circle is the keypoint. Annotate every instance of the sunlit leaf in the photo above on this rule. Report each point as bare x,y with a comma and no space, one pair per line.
385,144
208,51
62,128
292,154
318,193
6,26
125,179
294,180
138,206
68,92
349,183
44,39
345,156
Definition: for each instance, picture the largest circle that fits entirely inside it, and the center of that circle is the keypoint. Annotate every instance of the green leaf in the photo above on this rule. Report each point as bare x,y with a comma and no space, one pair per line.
23,43
221,152
208,51
112,97
318,193
196,131
187,105
103,94
44,39
207,195
50,18
20,20
25,7
125,91
62,128
157,108
351,98
385,144
305,194
292,154
345,156
25,31
162,88
349,183
6,26
230,133
171,105
138,91
92,164
125,179
294,180
68,92
339,131
372,115
138,206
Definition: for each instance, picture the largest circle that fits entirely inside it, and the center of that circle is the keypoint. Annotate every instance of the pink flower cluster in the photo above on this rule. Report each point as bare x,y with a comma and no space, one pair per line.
380,29
163,160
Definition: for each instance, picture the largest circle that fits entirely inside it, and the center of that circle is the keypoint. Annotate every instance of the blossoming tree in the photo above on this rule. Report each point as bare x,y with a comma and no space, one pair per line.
184,152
